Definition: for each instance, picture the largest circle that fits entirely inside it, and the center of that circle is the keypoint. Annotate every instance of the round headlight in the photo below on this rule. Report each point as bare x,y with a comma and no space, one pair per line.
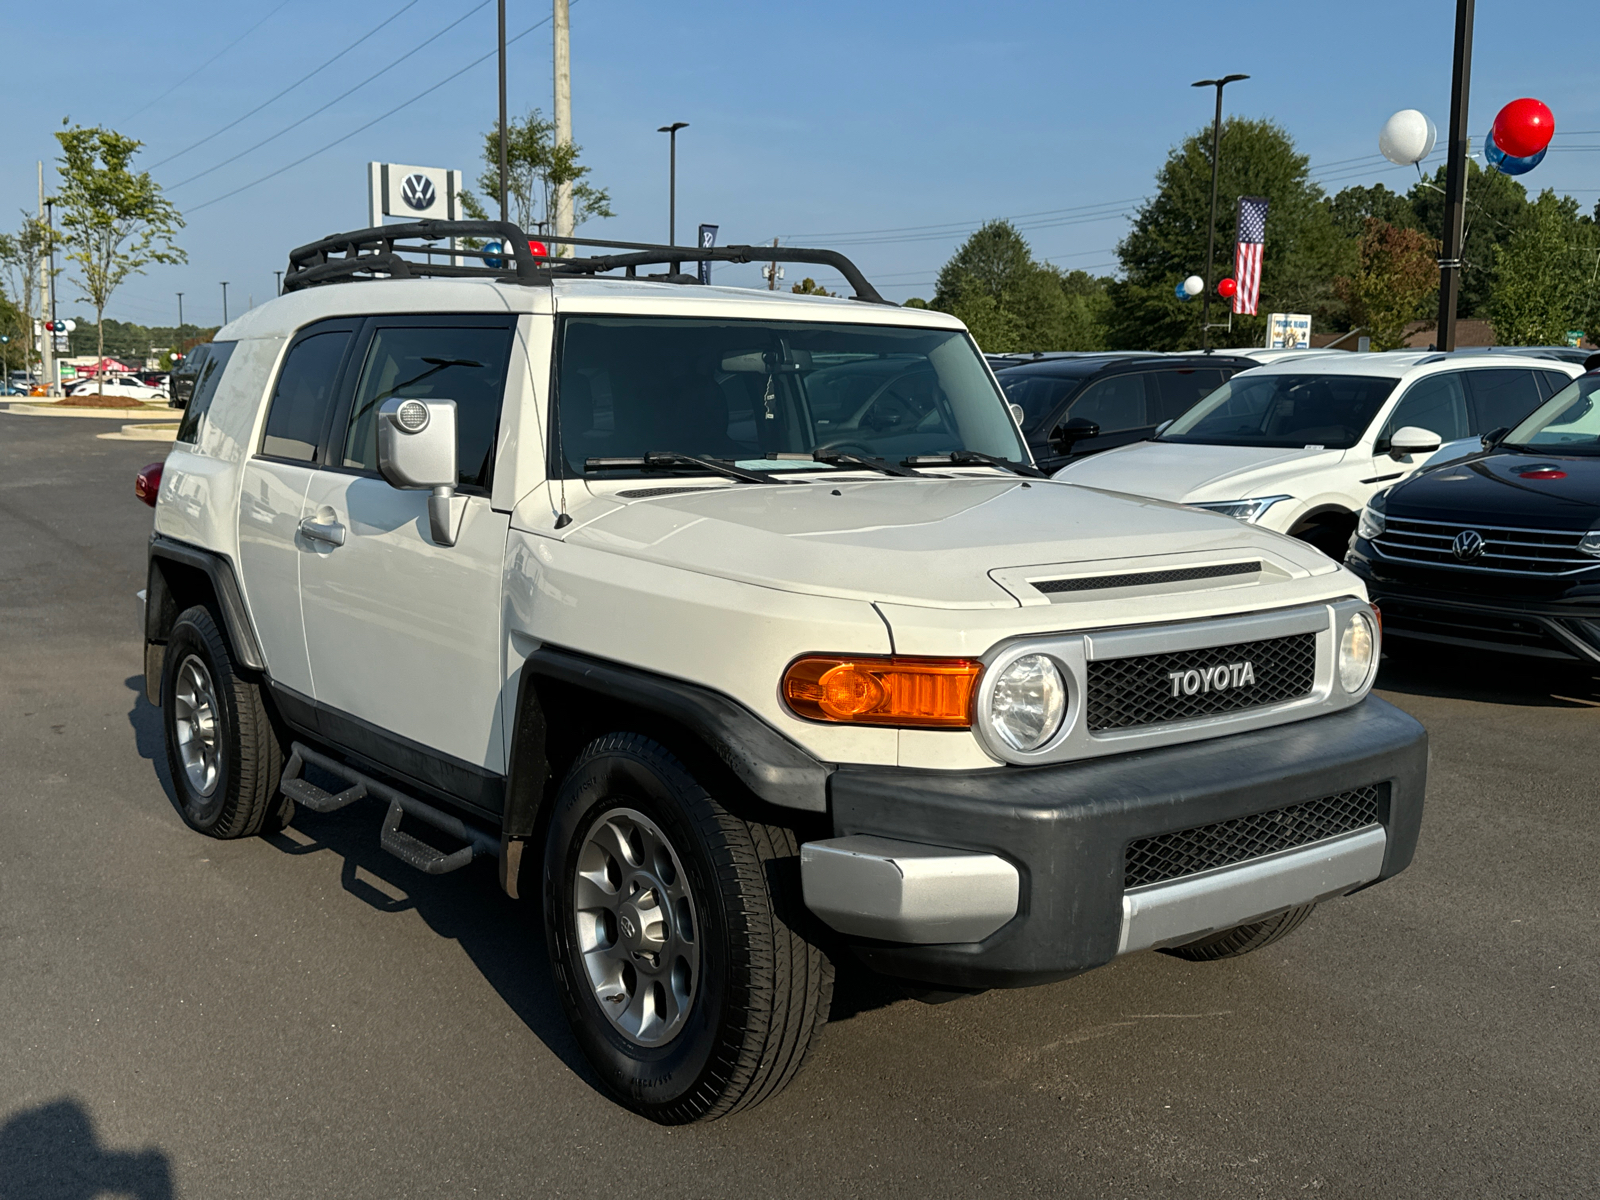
1028,701
1357,648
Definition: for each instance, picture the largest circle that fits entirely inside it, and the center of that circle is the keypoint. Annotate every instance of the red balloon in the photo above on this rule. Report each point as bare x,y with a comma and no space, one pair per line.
1524,127
538,249
1226,288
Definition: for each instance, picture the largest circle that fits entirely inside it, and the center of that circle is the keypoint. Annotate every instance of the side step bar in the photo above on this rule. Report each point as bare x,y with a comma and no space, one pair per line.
409,850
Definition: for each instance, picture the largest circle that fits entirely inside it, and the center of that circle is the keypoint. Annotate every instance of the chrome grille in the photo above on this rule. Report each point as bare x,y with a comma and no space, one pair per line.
1506,550
1127,693
1227,843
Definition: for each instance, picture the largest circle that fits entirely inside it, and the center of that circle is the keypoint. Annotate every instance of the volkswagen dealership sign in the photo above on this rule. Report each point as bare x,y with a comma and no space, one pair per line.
412,193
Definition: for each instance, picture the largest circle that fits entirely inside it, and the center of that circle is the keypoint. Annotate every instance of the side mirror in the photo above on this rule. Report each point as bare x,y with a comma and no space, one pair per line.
417,451
1494,437
1070,432
1162,428
1411,440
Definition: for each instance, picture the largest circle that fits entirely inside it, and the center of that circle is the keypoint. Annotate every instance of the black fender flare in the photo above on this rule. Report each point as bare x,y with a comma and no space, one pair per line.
159,611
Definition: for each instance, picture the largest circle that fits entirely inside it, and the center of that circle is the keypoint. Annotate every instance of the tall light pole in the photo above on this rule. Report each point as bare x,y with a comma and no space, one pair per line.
562,28
1455,180
672,180
1211,235
278,284
180,323
504,172
224,301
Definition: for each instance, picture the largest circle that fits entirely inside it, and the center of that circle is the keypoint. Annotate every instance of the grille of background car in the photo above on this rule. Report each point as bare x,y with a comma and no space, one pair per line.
1522,551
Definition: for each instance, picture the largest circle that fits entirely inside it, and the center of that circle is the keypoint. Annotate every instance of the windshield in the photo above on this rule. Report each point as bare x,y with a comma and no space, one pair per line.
1324,412
748,390
1037,394
1569,422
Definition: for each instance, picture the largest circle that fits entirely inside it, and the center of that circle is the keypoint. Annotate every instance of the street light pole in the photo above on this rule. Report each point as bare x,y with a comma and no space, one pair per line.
1211,234
504,171
1455,180
180,322
672,180
224,301
278,286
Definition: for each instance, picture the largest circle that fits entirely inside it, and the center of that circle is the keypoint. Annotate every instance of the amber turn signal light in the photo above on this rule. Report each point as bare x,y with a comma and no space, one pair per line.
911,693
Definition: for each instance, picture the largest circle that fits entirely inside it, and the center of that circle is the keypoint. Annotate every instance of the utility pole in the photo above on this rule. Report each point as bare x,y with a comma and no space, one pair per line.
47,347
181,349
1211,235
1455,180
277,289
504,172
772,271
224,301
672,180
563,77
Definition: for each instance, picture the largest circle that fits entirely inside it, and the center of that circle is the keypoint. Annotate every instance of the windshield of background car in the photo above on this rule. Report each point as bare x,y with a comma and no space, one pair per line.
1324,411
744,390
1567,423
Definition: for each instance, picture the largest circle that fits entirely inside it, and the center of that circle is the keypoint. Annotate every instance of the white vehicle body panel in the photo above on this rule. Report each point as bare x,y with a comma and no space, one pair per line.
269,508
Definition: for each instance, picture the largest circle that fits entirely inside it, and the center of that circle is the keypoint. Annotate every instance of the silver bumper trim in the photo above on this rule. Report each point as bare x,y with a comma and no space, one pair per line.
1165,914
905,892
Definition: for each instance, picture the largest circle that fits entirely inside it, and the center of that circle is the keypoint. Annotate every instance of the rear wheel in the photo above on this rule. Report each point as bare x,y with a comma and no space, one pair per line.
675,930
222,751
1242,939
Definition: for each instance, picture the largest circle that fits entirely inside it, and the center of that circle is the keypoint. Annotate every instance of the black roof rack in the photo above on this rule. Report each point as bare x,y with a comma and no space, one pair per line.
389,252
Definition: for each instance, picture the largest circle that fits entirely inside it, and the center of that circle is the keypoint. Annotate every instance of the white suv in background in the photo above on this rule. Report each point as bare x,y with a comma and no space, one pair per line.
1300,445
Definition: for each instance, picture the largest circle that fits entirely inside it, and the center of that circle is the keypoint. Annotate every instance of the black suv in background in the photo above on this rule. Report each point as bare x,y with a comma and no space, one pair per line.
1079,404
1499,550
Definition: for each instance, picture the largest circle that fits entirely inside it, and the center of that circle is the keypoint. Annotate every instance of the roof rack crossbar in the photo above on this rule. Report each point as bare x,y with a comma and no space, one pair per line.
373,252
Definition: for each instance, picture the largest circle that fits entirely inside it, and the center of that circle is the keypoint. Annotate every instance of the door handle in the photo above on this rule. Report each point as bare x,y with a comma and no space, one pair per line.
329,532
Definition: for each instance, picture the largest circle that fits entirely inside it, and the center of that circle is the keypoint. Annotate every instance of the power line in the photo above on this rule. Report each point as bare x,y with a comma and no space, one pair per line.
210,60
384,116
324,108
964,224
287,90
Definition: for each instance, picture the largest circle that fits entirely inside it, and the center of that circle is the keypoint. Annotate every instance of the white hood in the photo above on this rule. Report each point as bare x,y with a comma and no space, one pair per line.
1184,471
924,542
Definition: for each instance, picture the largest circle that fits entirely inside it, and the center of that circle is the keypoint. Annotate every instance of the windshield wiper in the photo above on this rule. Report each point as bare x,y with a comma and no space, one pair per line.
839,458
657,460
972,458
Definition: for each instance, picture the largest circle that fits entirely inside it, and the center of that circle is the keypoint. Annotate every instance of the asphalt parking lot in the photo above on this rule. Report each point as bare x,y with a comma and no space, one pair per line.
306,1016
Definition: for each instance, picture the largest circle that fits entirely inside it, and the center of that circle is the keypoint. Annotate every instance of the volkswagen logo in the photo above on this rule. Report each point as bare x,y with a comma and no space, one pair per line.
417,192
1468,545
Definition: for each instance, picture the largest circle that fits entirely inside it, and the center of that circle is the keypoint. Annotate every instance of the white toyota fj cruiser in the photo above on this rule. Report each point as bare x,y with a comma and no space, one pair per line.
739,626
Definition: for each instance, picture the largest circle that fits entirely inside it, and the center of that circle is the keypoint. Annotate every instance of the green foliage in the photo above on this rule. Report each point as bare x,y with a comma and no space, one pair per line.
1012,302
114,221
1304,251
1544,276
131,343
536,168
1396,281
1352,208
1497,207
810,287
22,254
915,302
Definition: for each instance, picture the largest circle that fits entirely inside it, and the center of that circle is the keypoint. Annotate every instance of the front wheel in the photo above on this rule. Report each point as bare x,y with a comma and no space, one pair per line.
675,933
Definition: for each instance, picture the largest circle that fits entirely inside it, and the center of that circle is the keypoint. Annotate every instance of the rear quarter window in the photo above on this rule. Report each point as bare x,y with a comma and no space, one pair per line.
202,385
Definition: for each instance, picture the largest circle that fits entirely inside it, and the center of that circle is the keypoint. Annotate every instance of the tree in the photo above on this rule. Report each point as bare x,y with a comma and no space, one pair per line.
1396,281
535,169
1542,281
810,287
114,222
1352,208
1168,240
1010,301
22,257
1497,207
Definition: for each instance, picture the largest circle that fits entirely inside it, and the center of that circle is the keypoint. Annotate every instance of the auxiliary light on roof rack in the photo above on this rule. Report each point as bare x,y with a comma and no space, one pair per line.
411,251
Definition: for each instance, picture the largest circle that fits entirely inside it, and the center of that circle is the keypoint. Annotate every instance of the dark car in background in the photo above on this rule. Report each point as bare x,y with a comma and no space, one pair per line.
181,380
1499,550
1073,405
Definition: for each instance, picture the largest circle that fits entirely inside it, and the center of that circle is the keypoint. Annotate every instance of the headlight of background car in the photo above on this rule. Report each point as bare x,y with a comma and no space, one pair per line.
1028,701
1372,518
1249,511
1358,647
1591,543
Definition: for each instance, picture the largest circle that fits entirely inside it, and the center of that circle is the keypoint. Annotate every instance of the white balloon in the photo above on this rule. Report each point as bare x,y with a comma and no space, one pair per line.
1194,285
1407,137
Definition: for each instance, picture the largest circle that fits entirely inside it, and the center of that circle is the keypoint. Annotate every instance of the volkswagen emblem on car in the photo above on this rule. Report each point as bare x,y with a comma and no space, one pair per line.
1468,545
417,191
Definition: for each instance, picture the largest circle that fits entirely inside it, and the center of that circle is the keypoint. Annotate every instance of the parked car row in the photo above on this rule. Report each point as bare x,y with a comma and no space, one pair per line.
129,386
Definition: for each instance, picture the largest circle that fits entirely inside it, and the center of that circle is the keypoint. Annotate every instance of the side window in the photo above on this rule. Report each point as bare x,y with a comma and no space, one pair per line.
1182,389
202,386
1550,382
1437,403
300,403
466,364
1037,394
1502,397
1113,404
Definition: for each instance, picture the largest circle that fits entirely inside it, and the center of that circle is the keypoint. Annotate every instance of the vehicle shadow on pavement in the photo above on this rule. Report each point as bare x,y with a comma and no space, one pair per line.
1492,678
53,1153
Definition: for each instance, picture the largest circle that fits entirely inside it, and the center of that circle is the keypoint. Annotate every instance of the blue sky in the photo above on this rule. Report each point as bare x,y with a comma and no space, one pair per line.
826,122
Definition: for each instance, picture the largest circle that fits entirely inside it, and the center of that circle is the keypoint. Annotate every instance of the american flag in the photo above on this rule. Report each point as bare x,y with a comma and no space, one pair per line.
1252,226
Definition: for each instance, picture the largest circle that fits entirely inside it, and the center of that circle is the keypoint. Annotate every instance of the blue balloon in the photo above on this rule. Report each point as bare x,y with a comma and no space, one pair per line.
1182,295
1504,163
494,264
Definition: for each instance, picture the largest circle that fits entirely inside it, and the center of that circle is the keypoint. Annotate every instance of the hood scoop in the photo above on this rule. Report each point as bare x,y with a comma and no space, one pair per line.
1051,585
1095,583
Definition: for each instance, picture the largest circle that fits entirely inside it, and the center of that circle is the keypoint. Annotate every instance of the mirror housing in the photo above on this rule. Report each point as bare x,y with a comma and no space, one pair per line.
1494,437
1162,428
417,452
1411,440
1071,431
